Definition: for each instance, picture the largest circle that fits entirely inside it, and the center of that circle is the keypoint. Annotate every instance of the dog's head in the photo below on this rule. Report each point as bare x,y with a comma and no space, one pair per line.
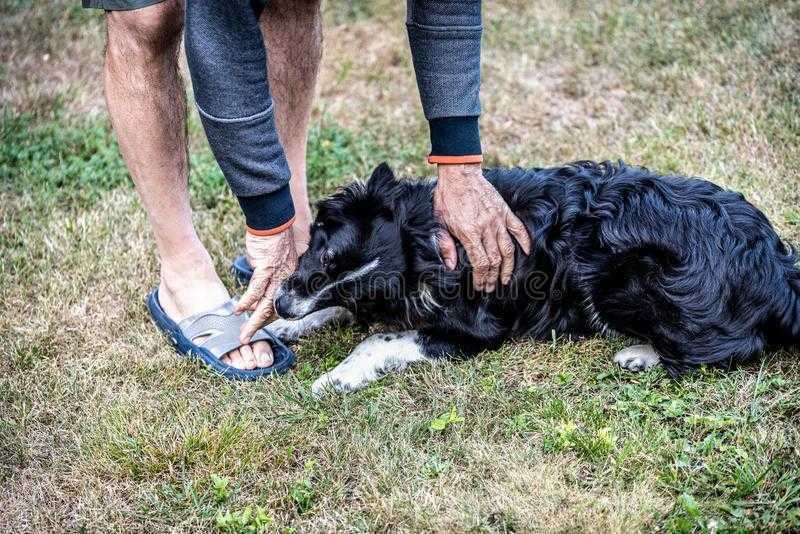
355,251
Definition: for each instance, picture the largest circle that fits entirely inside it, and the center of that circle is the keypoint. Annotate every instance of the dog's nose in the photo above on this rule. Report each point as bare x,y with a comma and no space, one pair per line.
282,306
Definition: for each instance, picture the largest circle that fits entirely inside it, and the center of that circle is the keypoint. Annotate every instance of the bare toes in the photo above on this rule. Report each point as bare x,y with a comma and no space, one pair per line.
236,359
263,353
248,357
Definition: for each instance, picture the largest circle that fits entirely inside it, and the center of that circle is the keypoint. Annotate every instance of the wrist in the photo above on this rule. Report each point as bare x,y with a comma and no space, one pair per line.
270,232
268,247
461,173
251,239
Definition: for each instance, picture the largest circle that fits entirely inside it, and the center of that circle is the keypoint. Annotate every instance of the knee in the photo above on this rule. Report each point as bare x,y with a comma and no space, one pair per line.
145,34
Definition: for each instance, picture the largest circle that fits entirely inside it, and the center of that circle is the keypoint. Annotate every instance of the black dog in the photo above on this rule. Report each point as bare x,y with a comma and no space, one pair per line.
694,270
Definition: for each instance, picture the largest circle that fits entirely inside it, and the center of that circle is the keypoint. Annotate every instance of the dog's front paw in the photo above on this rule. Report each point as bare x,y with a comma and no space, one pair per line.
293,329
322,386
637,358
337,381
286,330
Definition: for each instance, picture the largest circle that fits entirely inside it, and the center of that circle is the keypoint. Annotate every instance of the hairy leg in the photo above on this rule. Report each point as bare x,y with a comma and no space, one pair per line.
147,105
293,33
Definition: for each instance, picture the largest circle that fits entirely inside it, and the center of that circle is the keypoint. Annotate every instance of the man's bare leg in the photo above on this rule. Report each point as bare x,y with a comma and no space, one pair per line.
293,32
147,104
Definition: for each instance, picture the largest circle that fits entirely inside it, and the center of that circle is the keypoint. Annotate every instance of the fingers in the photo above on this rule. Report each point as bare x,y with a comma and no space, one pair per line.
495,259
519,231
447,248
255,290
507,255
480,264
261,315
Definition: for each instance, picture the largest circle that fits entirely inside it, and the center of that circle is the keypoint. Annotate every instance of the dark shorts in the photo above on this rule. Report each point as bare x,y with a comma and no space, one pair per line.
119,5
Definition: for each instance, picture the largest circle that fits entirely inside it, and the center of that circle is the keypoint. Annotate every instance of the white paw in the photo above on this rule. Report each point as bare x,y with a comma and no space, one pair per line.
286,330
338,380
637,358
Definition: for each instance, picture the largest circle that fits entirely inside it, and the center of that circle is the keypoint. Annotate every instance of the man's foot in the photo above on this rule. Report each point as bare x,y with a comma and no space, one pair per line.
194,288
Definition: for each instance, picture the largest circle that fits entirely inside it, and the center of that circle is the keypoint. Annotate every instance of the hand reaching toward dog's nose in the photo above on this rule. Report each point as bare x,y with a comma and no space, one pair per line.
475,214
273,259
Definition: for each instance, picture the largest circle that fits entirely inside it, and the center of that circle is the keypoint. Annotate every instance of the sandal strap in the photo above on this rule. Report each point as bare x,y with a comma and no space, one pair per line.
221,326
222,344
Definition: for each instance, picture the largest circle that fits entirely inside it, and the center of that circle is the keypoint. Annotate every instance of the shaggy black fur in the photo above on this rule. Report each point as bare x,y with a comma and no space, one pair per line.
695,270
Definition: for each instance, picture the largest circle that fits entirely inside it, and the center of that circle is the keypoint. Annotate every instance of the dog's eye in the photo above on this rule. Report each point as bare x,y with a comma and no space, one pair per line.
326,258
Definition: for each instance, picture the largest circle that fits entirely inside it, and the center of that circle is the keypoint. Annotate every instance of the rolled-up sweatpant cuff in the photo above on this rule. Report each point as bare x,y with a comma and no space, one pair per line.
268,211
455,136
251,158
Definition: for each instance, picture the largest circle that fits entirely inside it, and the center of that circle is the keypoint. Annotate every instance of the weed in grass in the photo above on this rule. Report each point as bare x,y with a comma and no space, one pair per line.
445,420
248,519
434,466
219,487
302,493
520,424
592,444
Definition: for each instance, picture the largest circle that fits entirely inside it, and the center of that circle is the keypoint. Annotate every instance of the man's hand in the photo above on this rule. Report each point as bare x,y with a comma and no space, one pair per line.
475,213
273,259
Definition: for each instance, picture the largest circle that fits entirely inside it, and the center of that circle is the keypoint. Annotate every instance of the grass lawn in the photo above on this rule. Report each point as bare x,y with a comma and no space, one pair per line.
102,427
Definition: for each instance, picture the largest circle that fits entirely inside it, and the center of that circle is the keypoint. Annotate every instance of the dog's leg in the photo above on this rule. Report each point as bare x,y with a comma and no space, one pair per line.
637,358
294,329
371,359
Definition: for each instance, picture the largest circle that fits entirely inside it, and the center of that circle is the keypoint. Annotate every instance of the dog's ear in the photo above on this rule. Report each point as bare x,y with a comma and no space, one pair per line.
382,181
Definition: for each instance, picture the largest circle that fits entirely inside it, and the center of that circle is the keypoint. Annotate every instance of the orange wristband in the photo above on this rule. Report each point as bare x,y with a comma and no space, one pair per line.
455,160
272,231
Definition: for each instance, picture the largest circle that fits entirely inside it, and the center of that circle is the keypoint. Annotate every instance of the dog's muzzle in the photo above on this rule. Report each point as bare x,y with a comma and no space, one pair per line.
289,305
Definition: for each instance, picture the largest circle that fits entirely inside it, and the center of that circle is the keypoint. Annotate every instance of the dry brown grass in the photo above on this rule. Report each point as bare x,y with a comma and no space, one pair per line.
102,427
51,52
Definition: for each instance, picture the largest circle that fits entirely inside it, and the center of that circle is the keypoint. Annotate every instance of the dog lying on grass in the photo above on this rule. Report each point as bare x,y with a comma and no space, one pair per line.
694,271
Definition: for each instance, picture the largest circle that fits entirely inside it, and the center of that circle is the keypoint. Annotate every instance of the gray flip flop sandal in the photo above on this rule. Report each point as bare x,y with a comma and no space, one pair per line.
222,327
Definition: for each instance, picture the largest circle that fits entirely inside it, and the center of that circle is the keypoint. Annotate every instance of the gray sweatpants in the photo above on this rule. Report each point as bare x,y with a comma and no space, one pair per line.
227,62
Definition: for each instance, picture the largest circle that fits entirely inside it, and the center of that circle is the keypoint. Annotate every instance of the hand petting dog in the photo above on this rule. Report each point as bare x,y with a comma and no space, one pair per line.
475,214
273,258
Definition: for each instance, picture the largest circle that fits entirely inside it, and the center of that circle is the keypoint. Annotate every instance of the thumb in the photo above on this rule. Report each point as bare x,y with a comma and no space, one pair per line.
447,248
